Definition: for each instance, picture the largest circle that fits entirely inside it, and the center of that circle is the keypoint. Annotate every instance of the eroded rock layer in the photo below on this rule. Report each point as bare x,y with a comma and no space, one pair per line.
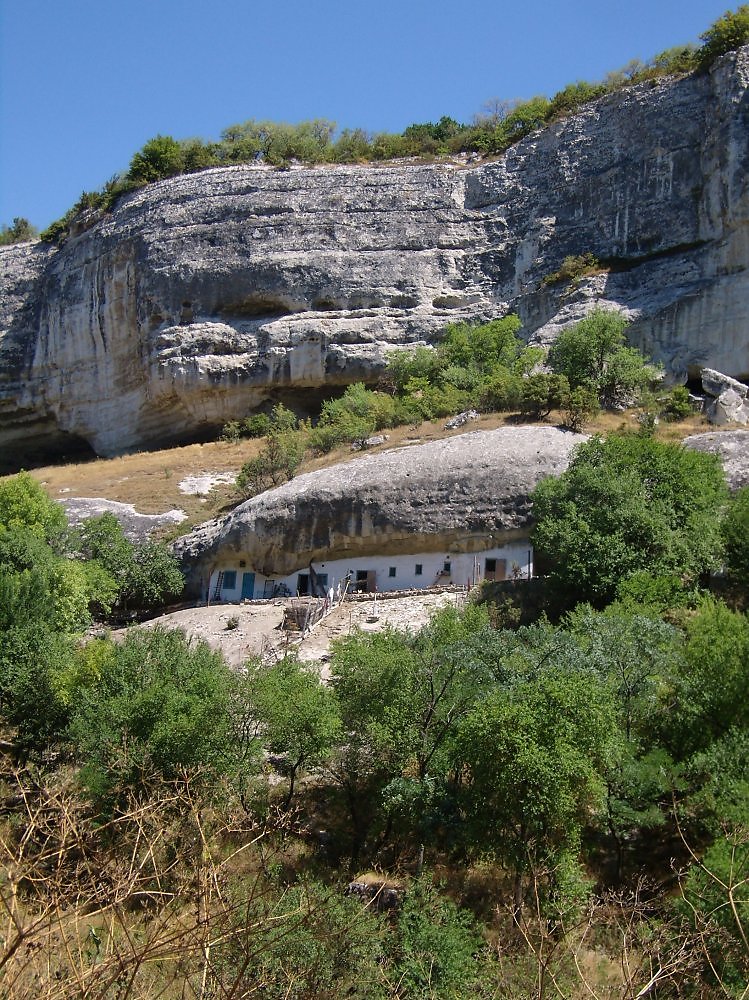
203,296
470,491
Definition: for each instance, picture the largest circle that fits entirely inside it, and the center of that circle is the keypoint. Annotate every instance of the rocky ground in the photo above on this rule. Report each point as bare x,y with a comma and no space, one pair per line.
259,633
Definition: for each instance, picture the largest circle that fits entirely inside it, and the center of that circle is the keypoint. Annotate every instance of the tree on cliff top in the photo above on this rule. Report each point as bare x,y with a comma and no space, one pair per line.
729,32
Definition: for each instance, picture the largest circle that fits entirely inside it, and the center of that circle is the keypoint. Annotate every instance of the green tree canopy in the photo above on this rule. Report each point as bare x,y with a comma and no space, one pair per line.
156,703
729,32
627,503
593,353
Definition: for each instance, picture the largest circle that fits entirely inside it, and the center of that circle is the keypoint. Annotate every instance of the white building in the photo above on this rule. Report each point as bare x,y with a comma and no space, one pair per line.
237,580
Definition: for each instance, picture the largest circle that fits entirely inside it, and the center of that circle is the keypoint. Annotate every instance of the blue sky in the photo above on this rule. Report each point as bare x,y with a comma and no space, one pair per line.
84,83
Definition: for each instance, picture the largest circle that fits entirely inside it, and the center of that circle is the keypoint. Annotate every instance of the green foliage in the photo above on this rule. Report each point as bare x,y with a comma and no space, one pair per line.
20,231
580,406
535,754
711,683
729,32
573,268
302,942
298,714
592,353
25,505
716,900
160,157
542,393
572,97
625,504
159,704
735,531
677,405
280,420
435,947
142,575
279,460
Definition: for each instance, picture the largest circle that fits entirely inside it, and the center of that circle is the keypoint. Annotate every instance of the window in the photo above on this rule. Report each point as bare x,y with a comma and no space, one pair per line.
391,571
230,580
419,569
446,567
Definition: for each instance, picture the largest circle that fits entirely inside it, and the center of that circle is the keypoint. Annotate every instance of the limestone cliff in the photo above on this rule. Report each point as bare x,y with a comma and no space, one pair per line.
202,296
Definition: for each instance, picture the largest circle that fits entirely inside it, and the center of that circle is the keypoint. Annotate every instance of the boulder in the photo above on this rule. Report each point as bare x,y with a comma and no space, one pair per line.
729,408
733,449
716,383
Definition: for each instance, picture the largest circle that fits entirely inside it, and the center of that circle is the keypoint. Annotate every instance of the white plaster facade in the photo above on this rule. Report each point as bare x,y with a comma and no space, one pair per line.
236,580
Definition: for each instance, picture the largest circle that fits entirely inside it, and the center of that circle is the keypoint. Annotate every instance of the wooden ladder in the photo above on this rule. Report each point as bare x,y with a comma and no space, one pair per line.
219,584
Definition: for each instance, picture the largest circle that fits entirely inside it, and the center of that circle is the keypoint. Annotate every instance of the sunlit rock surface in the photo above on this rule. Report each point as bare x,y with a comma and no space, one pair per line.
203,296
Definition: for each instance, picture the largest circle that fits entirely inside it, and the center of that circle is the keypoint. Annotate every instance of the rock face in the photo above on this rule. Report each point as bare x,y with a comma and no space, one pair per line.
203,296
470,490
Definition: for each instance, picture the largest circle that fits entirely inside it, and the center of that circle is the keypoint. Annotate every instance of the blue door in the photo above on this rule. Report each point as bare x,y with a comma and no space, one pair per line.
248,586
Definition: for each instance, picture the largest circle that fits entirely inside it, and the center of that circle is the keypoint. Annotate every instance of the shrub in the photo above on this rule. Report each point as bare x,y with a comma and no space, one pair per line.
735,531
573,268
626,504
279,460
160,157
592,353
20,231
727,33
501,391
677,405
542,393
581,406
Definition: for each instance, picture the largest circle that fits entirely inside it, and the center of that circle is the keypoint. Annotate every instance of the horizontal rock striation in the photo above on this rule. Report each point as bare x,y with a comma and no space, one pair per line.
470,491
204,296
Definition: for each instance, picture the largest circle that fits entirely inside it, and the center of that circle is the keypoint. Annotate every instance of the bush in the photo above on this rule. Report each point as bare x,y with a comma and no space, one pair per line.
20,231
626,504
735,531
503,390
573,268
279,460
677,405
542,393
580,407
729,32
593,354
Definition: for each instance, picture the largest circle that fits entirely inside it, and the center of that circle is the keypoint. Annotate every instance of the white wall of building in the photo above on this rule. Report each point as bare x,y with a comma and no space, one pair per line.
382,573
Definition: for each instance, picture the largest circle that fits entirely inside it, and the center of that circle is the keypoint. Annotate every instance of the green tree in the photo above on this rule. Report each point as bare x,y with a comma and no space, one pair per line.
729,32
159,704
160,157
710,691
279,460
592,353
25,505
624,504
535,754
435,948
735,532
20,231
144,574
297,713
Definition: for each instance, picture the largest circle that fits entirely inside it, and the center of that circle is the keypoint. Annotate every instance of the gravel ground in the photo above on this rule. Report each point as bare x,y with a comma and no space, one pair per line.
259,632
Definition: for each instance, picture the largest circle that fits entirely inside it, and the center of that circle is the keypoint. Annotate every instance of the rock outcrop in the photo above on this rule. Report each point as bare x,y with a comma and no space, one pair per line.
203,296
471,491
733,449
729,404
